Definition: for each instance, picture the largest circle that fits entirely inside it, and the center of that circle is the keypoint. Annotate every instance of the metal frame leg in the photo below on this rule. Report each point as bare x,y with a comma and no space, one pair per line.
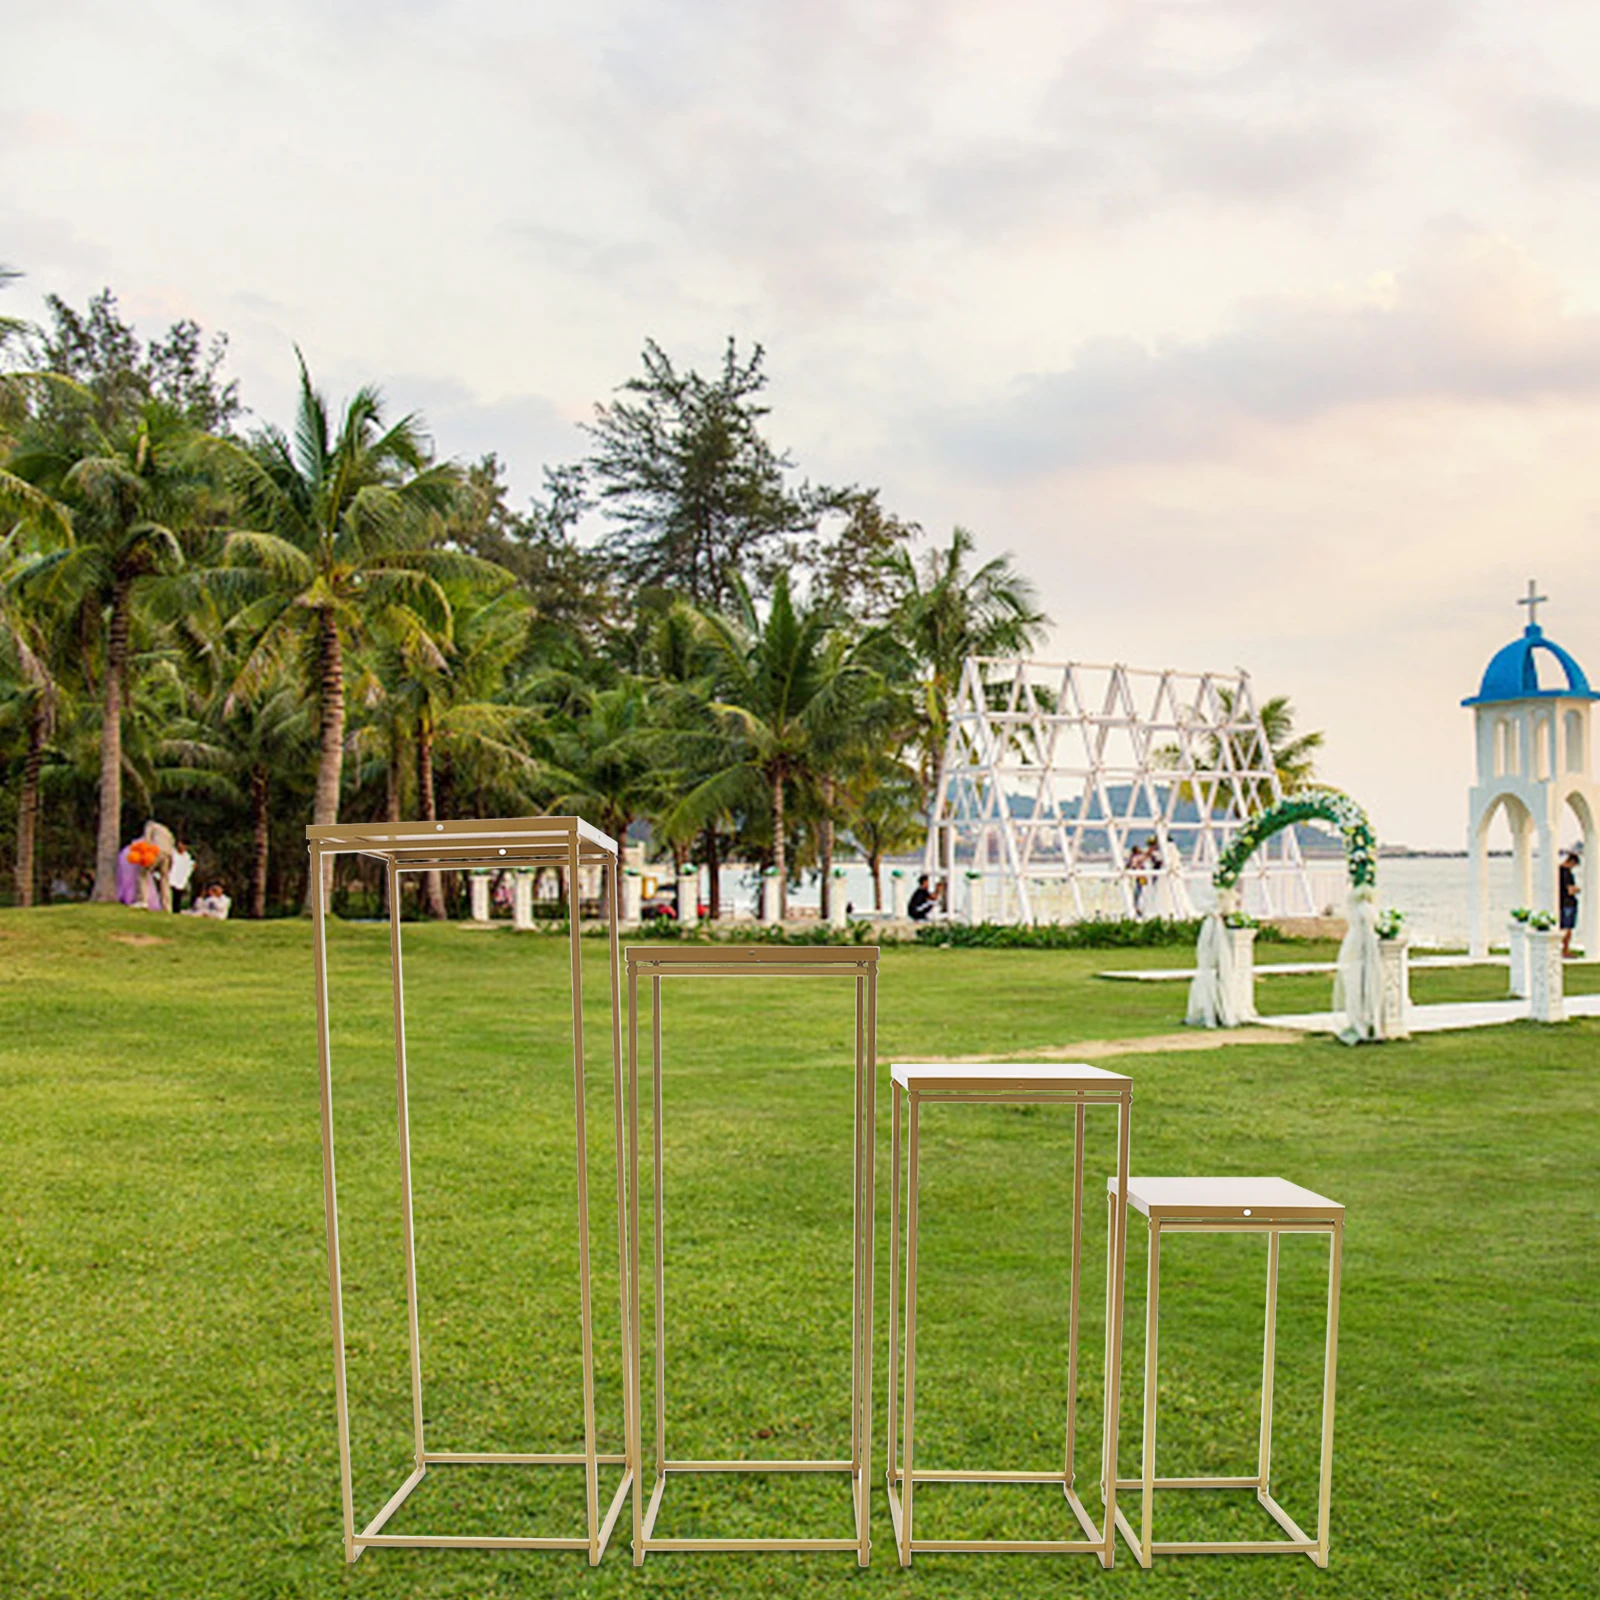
1152,1338
1069,1469
908,1482
1330,1370
330,1199
1269,1352
403,1121
591,1476
635,1348
892,1445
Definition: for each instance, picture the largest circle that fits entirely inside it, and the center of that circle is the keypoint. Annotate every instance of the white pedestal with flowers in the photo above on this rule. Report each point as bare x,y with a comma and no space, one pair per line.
1546,1002
1394,983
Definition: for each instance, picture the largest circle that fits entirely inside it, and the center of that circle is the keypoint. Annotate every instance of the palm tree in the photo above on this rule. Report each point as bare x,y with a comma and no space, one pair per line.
947,611
34,648
1292,756
132,493
338,543
787,685
600,756
886,815
21,501
447,698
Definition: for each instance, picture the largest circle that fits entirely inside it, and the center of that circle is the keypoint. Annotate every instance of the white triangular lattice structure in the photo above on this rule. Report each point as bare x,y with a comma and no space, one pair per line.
1055,772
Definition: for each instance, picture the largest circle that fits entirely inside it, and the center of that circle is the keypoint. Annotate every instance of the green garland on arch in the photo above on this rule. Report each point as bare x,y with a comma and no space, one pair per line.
1308,805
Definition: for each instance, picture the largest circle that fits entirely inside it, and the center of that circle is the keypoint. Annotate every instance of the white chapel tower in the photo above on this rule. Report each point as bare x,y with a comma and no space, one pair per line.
1535,757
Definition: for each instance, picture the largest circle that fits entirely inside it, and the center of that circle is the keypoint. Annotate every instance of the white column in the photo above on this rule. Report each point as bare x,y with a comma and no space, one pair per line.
688,898
1545,1000
836,916
1394,996
1546,893
632,896
1521,856
522,900
897,894
1242,978
1517,939
769,896
974,896
1478,887
478,887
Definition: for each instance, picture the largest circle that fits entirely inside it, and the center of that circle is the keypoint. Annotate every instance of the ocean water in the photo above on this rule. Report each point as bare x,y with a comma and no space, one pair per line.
1430,890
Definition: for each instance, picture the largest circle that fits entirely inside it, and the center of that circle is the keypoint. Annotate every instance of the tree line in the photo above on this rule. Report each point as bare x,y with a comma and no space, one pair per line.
239,627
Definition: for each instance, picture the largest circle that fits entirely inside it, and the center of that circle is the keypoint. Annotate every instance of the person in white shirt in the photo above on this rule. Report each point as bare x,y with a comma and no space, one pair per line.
182,869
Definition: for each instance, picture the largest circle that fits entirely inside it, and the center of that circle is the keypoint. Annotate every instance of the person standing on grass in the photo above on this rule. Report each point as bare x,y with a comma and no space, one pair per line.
181,871
1567,887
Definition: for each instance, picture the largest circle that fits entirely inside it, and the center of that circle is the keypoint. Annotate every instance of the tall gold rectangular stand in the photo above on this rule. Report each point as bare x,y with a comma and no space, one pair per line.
1008,1083
762,962
567,843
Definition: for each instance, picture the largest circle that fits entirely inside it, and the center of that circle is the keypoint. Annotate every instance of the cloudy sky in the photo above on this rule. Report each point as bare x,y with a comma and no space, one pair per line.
1264,333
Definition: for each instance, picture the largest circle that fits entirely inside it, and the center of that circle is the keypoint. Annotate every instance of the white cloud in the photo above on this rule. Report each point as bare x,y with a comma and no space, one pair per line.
1470,319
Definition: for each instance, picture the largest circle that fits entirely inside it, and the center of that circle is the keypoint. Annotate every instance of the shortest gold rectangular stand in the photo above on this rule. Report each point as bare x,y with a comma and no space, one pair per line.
1008,1083
1272,1206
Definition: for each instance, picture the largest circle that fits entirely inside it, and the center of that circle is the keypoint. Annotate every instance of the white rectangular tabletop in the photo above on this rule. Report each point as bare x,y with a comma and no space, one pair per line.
1228,1199
1002,1077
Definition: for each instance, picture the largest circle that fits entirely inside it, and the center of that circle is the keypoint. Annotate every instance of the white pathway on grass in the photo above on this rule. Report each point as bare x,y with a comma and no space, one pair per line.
1436,1019
1288,968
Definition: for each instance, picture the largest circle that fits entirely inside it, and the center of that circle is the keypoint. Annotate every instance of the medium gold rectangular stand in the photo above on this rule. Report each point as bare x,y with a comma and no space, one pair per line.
1272,1206
567,843
1008,1083
762,962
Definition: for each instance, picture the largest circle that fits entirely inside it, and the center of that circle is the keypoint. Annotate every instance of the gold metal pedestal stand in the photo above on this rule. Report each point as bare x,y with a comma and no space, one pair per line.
657,963
1272,1206
527,842
1008,1083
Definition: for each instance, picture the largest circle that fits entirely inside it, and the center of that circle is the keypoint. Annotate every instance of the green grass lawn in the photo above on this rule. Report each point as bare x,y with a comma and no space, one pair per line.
166,1415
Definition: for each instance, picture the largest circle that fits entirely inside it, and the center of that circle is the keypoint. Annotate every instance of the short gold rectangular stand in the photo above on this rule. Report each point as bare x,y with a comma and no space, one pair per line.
1274,1207
1011,1083
657,962
567,843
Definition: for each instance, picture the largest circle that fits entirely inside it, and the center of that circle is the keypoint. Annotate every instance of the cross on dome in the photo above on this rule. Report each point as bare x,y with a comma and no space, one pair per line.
1533,600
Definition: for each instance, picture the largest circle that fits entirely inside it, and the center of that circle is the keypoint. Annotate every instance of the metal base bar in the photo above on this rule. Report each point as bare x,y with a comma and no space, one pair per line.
648,1544
1298,1543
446,1541
371,1537
462,1458
1092,1544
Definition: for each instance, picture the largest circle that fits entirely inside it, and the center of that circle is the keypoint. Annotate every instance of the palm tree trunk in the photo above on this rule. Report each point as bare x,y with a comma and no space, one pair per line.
260,819
428,806
780,854
28,802
876,862
330,761
714,868
826,904
110,829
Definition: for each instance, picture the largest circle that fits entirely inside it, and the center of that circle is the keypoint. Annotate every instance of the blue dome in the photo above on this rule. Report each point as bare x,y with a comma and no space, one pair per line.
1513,674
